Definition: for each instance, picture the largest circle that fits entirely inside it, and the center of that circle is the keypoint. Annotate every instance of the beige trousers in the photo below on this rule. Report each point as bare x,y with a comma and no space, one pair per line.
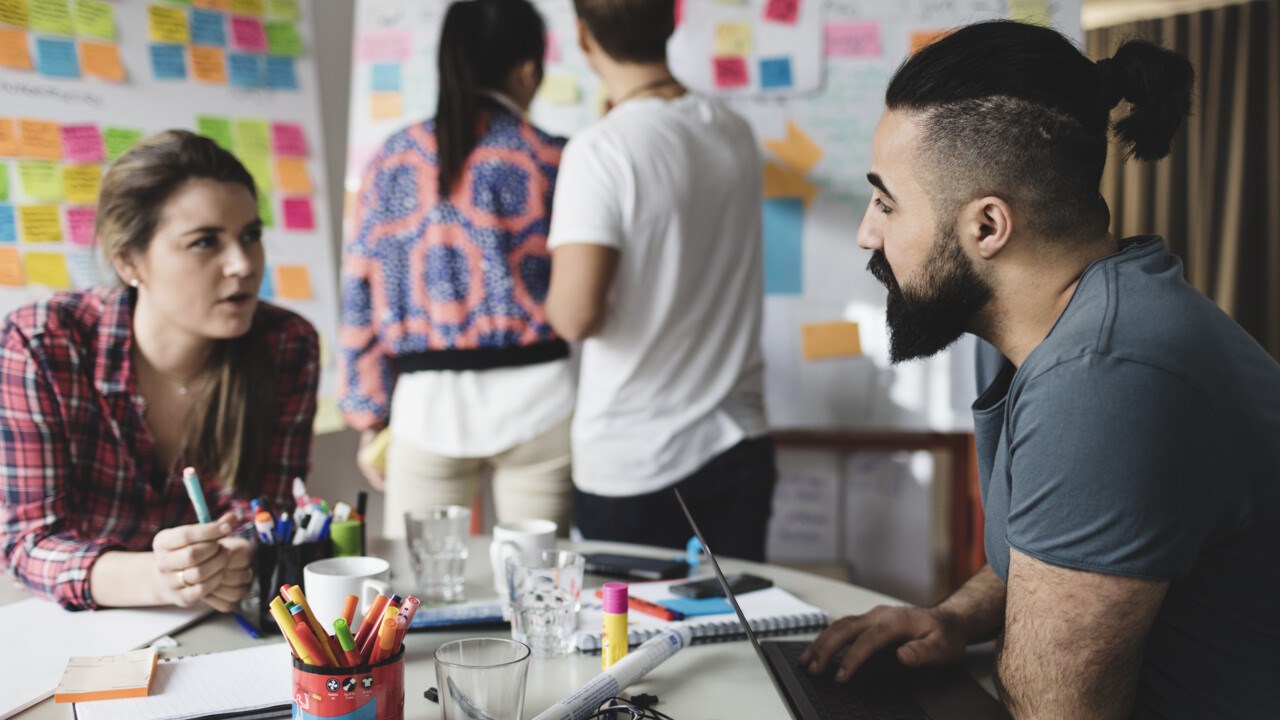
532,480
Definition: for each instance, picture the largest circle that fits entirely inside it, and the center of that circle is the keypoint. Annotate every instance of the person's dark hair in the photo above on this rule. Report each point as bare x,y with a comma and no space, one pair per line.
481,42
630,31
1017,111
233,415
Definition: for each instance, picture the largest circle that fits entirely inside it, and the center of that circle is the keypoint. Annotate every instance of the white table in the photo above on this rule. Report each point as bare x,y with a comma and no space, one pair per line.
721,680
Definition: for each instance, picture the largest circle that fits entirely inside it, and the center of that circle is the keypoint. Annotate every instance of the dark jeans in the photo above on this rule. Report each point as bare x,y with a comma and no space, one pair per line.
730,498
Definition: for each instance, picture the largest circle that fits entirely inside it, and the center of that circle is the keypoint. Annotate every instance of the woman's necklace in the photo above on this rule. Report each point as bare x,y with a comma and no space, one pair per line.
647,87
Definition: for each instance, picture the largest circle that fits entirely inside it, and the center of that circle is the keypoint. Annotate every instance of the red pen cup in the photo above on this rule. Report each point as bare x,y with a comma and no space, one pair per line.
353,693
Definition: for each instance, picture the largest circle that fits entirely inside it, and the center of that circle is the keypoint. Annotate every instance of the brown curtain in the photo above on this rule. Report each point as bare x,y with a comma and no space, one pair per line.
1216,198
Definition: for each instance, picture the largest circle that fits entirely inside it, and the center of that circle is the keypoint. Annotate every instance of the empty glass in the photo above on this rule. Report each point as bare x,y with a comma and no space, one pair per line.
544,589
482,678
437,538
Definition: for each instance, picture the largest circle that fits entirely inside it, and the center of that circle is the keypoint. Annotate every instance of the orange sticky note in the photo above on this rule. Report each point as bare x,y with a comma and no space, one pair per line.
293,282
208,64
40,223
223,5
385,105
11,268
14,52
39,139
921,39
48,269
101,60
821,341
291,173
8,139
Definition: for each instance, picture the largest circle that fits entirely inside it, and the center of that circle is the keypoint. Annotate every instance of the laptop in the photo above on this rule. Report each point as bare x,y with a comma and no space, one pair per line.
881,688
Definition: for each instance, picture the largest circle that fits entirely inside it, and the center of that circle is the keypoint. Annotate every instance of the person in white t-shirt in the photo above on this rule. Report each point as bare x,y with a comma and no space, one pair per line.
656,268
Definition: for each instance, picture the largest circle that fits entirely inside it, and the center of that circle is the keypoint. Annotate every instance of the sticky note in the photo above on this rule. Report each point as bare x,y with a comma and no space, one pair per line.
267,290
82,143
281,74
4,181
81,183
921,39
552,43
217,129
14,12
8,230
11,268
39,139
852,39
782,11
384,46
283,38
168,62
14,53
283,9
247,7
252,138
95,19
80,225
384,106
328,416
208,28
40,180
101,60
48,269
51,16
298,214
260,168
39,223
85,272
837,339
798,151
1029,11
785,182
265,213
733,38
560,88
220,5
784,246
292,177
57,58
293,282
246,70
385,77
208,64
730,72
247,34
167,24
118,140
9,146
288,139
775,73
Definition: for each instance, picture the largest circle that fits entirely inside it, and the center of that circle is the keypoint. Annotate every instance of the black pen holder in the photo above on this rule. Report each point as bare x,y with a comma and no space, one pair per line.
275,565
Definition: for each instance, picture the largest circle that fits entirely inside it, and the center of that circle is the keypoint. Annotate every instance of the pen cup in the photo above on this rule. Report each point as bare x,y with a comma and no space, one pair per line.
363,691
274,565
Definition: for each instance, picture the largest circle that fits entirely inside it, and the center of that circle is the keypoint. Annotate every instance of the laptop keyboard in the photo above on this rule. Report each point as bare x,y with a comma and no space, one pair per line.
867,695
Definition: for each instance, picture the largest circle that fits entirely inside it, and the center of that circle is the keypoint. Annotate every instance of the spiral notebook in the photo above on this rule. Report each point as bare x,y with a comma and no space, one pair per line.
772,611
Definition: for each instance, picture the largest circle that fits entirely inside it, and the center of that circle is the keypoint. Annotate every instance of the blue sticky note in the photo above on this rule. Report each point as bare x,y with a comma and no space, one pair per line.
57,58
246,70
693,607
775,73
267,290
169,62
386,77
281,74
8,231
208,28
784,246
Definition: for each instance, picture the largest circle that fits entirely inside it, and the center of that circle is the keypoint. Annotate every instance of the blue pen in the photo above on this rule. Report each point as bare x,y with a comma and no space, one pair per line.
248,626
285,529
196,493
324,529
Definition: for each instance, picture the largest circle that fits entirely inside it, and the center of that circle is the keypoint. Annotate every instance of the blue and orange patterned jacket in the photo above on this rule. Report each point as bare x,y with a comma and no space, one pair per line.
456,283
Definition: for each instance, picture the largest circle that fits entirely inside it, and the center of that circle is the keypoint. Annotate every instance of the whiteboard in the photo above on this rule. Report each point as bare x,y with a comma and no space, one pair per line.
221,49
816,136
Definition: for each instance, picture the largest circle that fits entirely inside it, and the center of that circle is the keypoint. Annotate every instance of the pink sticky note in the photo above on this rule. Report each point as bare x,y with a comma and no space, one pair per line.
298,215
783,11
247,34
384,46
553,48
80,225
730,72
82,144
288,139
853,39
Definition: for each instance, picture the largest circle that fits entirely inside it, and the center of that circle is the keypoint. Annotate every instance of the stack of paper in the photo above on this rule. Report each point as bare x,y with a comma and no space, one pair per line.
107,677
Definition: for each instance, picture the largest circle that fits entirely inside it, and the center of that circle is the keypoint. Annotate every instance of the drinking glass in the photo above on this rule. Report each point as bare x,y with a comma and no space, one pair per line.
437,539
482,678
544,589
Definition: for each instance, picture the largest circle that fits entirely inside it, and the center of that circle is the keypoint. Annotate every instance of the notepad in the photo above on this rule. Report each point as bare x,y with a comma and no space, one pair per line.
243,684
772,611
107,677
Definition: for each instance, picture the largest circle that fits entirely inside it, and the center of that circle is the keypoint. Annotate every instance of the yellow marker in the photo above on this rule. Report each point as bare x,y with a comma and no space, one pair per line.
322,637
285,621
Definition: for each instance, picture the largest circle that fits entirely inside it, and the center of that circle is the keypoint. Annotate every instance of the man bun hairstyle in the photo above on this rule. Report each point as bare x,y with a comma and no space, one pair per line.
1157,84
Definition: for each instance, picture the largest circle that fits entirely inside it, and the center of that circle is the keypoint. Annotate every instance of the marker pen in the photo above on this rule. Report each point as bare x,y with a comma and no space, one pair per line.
614,638
196,493
348,644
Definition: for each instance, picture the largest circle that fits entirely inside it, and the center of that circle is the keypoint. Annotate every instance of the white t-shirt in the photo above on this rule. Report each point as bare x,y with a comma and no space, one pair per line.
675,375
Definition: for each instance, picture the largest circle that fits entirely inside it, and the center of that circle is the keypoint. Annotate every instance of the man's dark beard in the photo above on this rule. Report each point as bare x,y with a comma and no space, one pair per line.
926,319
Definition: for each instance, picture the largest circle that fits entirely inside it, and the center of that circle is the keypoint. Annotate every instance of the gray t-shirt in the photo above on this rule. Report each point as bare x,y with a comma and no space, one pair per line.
1142,438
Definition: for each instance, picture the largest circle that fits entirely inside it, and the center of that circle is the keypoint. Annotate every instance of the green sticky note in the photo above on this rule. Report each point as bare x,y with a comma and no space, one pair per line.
283,9
4,182
260,168
216,129
252,138
283,38
96,19
51,16
40,180
264,209
118,140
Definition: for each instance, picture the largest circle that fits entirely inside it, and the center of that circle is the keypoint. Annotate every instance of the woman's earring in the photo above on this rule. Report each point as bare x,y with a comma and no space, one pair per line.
133,282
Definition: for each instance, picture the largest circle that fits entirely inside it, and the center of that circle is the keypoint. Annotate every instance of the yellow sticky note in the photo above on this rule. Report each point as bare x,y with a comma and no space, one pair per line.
11,268
39,223
39,139
293,282
733,39
328,417
51,16
40,180
82,183
168,25
291,174
14,12
560,88
385,105
1029,11
14,53
96,19
208,64
260,168
246,7
48,269
820,341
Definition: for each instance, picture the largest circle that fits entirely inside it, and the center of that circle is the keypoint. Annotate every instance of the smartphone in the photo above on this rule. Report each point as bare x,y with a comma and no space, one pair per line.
738,582
634,566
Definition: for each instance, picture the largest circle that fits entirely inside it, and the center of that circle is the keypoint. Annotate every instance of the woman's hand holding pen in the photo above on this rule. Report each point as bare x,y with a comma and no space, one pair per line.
195,562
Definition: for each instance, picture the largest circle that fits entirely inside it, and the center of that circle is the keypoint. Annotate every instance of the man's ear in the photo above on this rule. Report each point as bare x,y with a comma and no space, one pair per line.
987,225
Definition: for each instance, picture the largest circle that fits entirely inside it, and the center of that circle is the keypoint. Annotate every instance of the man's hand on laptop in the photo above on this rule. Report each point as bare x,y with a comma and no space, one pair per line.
927,636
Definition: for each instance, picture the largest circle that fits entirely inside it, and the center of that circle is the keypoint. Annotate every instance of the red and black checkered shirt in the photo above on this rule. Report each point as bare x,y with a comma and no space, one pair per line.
78,471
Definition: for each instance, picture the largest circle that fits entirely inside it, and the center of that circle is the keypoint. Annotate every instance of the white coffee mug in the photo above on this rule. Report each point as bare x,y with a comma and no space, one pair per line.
328,582
514,537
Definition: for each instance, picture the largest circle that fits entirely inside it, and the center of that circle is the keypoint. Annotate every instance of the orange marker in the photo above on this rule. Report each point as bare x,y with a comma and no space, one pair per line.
349,609
309,643
317,630
386,637
368,625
